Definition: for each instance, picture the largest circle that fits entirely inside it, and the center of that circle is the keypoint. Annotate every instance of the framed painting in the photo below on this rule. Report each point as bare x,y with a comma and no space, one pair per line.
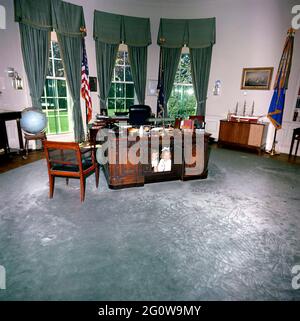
257,78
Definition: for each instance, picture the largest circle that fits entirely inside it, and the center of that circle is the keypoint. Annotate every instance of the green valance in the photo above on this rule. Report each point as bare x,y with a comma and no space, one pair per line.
67,18
49,14
36,13
137,31
112,28
194,33
201,33
107,27
172,33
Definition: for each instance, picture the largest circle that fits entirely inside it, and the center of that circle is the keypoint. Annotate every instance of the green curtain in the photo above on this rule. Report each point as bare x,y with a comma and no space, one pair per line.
106,55
194,33
201,32
200,68
136,31
34,17
114,28
172,33
35,45
108,27
169,63
109,31
197,34
138,63
68,19
35,13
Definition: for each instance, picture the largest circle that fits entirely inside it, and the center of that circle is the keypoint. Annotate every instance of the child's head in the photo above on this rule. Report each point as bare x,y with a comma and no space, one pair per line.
154,154
165,154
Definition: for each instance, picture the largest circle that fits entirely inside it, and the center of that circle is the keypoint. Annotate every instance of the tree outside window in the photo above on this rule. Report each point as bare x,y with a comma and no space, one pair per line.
182,102
121,94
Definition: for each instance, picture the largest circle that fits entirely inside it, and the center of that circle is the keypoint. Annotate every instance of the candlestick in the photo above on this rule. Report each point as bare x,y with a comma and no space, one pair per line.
252,111
236,108
244,109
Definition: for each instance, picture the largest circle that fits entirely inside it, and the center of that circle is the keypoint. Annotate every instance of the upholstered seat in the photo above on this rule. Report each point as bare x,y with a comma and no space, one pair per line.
70,161
72,168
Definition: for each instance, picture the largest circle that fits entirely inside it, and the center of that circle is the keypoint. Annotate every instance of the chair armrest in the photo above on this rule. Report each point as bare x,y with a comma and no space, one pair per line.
91,150
86,150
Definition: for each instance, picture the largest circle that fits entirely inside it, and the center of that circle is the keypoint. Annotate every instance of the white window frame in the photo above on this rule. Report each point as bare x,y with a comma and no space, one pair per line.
68,97
185,50
124,48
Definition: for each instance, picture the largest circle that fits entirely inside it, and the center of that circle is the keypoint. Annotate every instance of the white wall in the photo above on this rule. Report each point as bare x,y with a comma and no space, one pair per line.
250,33
11,56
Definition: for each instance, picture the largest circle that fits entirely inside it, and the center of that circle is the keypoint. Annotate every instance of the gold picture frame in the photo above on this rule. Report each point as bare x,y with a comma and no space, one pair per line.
257,78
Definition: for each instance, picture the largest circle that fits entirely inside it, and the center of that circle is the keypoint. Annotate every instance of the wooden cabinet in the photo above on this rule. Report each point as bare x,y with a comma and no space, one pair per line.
6,115
243,134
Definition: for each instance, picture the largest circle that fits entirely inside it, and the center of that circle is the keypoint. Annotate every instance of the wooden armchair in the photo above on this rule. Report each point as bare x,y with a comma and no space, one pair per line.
70,161
198,120
295,137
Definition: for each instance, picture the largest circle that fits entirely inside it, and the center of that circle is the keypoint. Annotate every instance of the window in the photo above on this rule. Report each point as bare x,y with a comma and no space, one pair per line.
121,94
182,101
55,96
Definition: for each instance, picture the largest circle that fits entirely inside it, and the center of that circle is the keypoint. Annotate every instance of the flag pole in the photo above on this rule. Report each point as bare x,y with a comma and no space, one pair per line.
87,122
272,151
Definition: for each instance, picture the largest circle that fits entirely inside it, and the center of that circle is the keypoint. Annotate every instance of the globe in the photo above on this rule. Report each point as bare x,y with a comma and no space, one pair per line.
33,120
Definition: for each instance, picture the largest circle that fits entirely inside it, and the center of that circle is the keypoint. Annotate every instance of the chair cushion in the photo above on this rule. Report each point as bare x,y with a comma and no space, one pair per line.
86,163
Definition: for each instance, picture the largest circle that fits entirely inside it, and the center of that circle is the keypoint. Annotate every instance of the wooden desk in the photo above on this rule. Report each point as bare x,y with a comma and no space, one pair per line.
6,115
120,172
243,134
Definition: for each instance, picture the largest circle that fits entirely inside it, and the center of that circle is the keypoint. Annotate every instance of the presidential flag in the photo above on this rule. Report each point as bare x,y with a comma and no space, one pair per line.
275,112
85,84
160,91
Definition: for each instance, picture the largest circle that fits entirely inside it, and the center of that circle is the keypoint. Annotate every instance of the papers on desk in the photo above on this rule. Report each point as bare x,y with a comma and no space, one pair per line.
120,125
122,117
156,129
99,117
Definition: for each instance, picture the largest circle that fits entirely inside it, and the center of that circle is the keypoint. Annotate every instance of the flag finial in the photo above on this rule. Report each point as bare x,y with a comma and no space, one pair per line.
291,31
83,31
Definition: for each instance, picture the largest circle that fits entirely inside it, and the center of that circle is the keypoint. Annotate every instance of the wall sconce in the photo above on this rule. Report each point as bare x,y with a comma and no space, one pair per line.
217,88
17,81
152,87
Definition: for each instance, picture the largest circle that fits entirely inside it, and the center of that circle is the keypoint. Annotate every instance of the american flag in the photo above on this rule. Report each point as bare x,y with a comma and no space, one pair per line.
85,84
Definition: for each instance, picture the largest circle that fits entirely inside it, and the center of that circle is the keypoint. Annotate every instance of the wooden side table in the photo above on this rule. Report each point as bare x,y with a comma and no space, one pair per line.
39,136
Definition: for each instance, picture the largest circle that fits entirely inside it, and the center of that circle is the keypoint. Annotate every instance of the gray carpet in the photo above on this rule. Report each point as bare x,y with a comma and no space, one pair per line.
234,236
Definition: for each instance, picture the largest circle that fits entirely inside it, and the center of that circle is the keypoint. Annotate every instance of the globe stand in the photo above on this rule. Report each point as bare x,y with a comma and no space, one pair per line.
39,136
33,122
